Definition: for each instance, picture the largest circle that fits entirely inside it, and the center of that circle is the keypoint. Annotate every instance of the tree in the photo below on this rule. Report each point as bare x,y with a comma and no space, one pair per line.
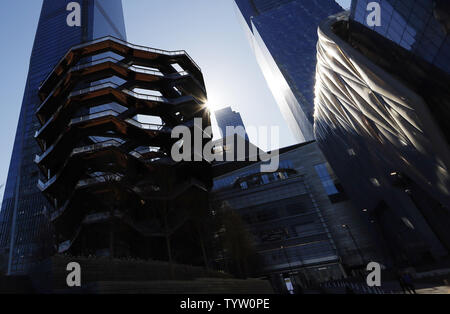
203,226
236,242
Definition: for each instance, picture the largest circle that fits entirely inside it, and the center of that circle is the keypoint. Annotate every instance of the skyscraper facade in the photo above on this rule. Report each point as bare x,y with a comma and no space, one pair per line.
226,117
381,118
24,209
283,35
421,27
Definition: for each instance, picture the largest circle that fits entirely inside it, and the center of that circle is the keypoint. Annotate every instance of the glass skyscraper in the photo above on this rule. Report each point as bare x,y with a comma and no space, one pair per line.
421,27
283,34
24,209
226,117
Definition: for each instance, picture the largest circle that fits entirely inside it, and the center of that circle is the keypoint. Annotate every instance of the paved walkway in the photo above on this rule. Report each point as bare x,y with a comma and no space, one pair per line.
435,290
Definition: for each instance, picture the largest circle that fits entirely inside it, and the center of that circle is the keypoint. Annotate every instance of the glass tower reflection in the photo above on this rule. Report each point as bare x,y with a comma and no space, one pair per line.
283,34
420,26
25,210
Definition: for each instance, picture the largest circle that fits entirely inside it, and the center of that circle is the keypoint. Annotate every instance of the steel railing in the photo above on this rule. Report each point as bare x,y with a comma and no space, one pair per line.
124,43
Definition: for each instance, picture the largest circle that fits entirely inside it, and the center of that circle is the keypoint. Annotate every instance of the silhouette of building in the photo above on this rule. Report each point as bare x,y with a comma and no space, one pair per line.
106,143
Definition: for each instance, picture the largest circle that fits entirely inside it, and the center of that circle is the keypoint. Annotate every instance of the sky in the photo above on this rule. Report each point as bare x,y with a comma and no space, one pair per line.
208,30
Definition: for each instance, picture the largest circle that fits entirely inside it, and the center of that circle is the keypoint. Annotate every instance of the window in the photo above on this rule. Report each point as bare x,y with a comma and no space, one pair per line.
325,177
244,185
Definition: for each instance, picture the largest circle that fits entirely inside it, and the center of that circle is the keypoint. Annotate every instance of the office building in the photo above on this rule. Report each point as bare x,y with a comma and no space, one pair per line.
301,222
420,27
226,117
283,35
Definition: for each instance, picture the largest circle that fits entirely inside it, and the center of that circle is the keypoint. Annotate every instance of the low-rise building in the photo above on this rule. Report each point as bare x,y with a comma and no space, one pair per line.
300,219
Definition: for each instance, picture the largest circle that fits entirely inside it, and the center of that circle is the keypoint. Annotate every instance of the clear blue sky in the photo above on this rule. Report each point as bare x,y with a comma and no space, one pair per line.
207,29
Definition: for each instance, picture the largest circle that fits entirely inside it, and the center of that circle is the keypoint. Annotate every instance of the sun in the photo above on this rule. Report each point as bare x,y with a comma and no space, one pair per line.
212,107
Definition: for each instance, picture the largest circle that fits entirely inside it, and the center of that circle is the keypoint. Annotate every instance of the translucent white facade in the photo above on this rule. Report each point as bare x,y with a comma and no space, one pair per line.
381,131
